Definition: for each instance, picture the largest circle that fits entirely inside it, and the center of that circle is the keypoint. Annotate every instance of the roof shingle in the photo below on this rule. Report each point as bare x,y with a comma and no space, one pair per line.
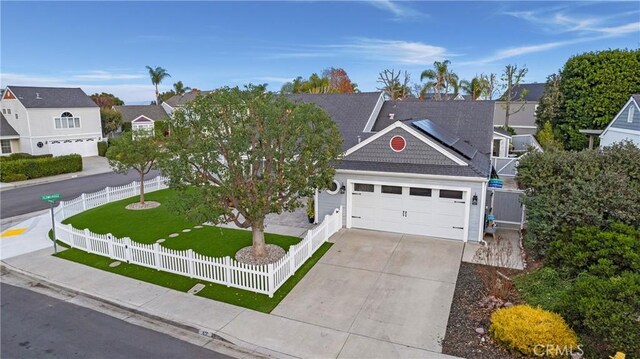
51,97
131,112
534,92
5,128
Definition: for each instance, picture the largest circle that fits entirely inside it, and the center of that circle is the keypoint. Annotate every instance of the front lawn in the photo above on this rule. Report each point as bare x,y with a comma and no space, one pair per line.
149,225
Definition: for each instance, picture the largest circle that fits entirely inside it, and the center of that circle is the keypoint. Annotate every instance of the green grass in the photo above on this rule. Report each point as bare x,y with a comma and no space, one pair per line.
543,287
150,225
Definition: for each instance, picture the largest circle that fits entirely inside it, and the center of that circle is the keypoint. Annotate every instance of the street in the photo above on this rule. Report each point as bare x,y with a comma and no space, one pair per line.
37,326
27,199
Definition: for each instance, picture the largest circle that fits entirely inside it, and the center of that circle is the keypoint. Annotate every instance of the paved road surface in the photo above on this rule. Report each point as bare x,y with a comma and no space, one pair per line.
38,326
23,200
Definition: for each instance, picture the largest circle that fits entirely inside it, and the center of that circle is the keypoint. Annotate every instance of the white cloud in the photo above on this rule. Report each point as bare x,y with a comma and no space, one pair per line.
399,11
398,51
128,92
274,79
106,75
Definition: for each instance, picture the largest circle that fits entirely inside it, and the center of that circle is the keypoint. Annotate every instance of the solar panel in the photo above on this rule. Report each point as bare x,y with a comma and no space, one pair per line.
445,137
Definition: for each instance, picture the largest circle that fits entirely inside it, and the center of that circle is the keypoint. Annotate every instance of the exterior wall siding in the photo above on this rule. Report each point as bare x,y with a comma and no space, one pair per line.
523,122
622,120
613,136
415,152
42,122
327,202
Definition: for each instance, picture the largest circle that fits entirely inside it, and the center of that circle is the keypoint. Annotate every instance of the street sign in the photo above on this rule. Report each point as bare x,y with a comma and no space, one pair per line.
51,198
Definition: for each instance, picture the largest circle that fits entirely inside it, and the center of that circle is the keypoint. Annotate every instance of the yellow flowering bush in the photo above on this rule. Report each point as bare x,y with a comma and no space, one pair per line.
533,331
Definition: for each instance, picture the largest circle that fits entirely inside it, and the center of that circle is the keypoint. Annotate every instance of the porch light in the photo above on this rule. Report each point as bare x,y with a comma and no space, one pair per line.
474,199
343,189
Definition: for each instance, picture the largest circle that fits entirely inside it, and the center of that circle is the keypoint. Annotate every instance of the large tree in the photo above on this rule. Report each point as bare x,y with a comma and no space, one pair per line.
238,155
332,80
395,84
110,119
594,87
179,88
473,87
339,80
106,100
512,77
157,75
440,80
135,150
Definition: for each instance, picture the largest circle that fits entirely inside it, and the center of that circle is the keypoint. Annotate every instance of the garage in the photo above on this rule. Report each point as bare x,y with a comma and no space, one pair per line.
418,210
85,148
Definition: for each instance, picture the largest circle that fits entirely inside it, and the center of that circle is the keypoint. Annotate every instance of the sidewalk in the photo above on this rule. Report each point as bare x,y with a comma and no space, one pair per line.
90,166
259,333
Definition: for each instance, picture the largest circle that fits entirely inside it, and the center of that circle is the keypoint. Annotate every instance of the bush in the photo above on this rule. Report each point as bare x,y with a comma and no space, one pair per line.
544,287
20,156
39,167
602,253
532,331
102,148
14,177
606,311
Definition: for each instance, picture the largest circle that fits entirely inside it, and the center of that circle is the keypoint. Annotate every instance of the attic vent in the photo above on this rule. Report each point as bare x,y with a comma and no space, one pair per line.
392,115
359,139
38,96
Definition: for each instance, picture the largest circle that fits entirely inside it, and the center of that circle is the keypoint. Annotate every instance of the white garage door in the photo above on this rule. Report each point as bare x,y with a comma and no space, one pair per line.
83,148
413,210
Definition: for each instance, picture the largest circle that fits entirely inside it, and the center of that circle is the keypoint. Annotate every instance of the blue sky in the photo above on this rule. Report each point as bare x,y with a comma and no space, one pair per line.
104,46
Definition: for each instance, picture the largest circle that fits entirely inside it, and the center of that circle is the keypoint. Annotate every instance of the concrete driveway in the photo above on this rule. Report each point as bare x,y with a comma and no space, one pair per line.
387,290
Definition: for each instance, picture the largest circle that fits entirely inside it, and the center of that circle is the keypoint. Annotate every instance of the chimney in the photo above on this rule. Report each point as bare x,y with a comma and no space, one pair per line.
38,96
392,115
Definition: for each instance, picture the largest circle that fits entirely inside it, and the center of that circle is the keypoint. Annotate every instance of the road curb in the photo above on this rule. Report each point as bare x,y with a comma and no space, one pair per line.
9,269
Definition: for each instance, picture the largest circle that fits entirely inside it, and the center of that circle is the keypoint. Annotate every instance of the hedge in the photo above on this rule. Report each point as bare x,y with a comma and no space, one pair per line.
28,168
102,148
21,155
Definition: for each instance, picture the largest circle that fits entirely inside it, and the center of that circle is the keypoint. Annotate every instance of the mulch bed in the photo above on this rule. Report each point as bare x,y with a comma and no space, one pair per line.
466,315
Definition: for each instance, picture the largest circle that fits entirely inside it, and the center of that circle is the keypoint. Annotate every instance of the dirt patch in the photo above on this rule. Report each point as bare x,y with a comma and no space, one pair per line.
274,253
142,206
467,316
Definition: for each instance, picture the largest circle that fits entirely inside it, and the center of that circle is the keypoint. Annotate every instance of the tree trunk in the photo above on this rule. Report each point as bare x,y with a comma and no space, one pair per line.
507,114
141,188
259,246
157,96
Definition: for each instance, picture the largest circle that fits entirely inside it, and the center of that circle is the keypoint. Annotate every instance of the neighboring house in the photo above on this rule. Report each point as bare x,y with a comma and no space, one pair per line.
625,125
9,137
415,167
501,142
52,120
445,97
524,121
142,117
179,100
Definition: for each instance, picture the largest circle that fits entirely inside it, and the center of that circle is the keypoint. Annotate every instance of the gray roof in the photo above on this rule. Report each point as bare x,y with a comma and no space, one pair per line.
179,100
534,92
349,111
472,121
637,98
502,131
52,97
5,128
445,97
131,112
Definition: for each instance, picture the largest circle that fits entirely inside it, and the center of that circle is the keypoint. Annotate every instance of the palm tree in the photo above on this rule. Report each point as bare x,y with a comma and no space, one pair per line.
157,75
179,88
473,87
440,79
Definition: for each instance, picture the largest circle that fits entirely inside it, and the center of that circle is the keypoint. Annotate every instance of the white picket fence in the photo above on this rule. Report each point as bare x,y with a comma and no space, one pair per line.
265,279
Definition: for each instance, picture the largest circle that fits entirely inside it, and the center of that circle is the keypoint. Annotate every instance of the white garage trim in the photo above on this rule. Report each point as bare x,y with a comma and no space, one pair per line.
483,209
411,175
466,190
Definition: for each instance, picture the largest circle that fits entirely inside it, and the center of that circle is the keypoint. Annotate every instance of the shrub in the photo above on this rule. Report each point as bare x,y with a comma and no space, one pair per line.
494,256
545,287
606,311
14,177
532,331
102,148
20,156
602,253
40,167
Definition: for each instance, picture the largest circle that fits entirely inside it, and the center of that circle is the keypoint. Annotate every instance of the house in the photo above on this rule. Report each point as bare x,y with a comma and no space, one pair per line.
179,100
625,126
142,117
50,120
524,121
415,167
9,137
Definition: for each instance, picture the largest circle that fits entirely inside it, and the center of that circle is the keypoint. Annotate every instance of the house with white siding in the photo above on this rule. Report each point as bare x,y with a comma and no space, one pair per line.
415,167
49,120
526,98
625,126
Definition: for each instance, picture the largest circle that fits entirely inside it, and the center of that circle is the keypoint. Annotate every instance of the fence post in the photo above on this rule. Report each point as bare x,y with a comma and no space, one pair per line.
127,249
270,281
326,228
87,242
310,246
227,270
158,180
108,197
190,262
84,202
291,259
62,211
71,234
110,245
156,255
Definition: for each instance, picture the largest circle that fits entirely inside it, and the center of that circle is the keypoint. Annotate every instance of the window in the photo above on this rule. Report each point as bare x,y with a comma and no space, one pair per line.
16,115
66,120
630,114
4,110
424,192
391,189
8,111
5,145
361,187
450,194
334,187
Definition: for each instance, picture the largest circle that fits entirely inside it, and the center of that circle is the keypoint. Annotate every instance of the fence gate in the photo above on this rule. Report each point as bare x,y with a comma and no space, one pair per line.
506,206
